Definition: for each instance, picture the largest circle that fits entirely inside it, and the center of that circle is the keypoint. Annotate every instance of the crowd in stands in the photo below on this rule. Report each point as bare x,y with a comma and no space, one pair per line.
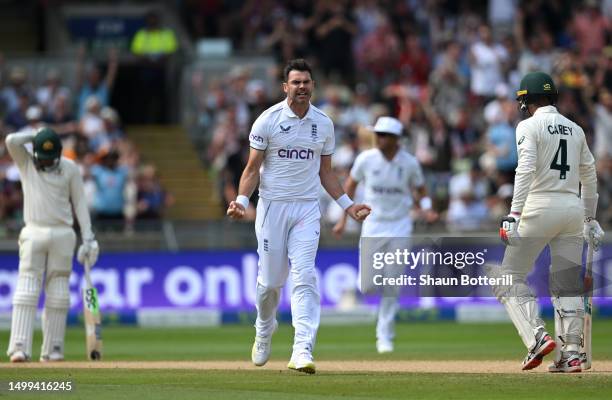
448,70
120,188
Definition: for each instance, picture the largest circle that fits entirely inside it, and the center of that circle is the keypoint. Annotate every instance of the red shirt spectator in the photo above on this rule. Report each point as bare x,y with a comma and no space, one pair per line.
414,60
589,28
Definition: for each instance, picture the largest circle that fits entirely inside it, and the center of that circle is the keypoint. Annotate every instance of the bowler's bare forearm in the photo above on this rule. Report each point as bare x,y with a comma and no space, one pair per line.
329,180
250,175
350,187
248,182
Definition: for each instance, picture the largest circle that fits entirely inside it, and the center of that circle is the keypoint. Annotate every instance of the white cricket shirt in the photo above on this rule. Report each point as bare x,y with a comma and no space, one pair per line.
48,197
387,183
553,157
293,149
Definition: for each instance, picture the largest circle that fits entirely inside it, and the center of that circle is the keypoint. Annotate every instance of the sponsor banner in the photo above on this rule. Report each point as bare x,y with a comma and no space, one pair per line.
226,281
223,280
104,31
104,27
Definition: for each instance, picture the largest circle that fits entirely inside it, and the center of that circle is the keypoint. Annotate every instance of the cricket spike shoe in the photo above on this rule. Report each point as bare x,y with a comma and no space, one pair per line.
260,353
302,362
53,357
384,346
19,357
544,345
570,362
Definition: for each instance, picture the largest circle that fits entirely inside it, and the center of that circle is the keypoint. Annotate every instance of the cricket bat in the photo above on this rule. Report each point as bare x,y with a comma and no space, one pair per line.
586,355
91,315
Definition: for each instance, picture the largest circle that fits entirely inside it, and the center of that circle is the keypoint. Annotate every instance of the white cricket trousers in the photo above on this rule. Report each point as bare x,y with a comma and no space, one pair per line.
288,232
45,253
391,235
555,220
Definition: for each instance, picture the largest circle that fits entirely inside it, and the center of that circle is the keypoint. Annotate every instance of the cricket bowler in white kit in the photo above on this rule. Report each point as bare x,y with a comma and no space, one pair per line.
52,188
554,160
291,147
390,175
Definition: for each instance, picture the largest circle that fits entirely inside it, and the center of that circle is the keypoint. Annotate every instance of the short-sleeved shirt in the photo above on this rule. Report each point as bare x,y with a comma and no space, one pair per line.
101,93
387,183
293,149
110,185
486,71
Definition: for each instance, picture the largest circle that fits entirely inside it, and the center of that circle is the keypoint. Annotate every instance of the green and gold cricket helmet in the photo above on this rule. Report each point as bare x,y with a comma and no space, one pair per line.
47,145
536,84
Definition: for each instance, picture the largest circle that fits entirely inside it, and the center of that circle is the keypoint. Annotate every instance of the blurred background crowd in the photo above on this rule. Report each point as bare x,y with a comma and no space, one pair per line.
448,70
120,189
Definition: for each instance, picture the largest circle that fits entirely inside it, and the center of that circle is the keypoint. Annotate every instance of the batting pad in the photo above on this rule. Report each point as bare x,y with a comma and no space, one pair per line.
570,312
54,316
24,313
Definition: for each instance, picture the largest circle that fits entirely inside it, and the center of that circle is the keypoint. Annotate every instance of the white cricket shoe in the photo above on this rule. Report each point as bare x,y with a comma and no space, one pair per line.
260,353
19,357
384,346
303,362
53,357
570,362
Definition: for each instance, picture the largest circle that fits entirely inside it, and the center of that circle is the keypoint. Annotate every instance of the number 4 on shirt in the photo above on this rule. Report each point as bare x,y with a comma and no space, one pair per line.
561,165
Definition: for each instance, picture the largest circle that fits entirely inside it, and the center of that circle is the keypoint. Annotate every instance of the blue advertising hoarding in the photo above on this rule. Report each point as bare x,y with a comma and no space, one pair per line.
224,280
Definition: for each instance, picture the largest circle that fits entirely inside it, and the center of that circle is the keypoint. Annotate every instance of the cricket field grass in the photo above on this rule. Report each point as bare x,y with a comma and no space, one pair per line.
432,360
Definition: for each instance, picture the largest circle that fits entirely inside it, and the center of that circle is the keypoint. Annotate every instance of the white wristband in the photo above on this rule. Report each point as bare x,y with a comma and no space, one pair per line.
344,201
425,203
243,201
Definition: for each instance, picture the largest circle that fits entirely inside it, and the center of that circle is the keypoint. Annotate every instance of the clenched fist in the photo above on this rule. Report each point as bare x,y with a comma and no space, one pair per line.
235,210
359,212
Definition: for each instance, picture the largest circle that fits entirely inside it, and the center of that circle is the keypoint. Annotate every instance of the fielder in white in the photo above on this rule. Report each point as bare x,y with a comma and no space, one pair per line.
390,175
52,188
291,147
554,160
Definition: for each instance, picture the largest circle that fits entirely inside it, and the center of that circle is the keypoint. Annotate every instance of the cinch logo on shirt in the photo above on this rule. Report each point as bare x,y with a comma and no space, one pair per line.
256,138
295,154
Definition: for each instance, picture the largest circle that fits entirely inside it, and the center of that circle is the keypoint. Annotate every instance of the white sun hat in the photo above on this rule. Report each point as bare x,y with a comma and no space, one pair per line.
388,125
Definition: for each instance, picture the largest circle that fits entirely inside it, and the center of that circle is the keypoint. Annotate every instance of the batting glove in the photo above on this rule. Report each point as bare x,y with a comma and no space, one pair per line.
88,252
592,232
508,231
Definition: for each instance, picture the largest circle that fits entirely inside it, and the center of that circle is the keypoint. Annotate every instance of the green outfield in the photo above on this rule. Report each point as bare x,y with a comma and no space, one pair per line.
436,342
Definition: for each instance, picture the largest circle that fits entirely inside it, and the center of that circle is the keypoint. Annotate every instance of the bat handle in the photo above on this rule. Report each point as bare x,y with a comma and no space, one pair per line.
87,269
